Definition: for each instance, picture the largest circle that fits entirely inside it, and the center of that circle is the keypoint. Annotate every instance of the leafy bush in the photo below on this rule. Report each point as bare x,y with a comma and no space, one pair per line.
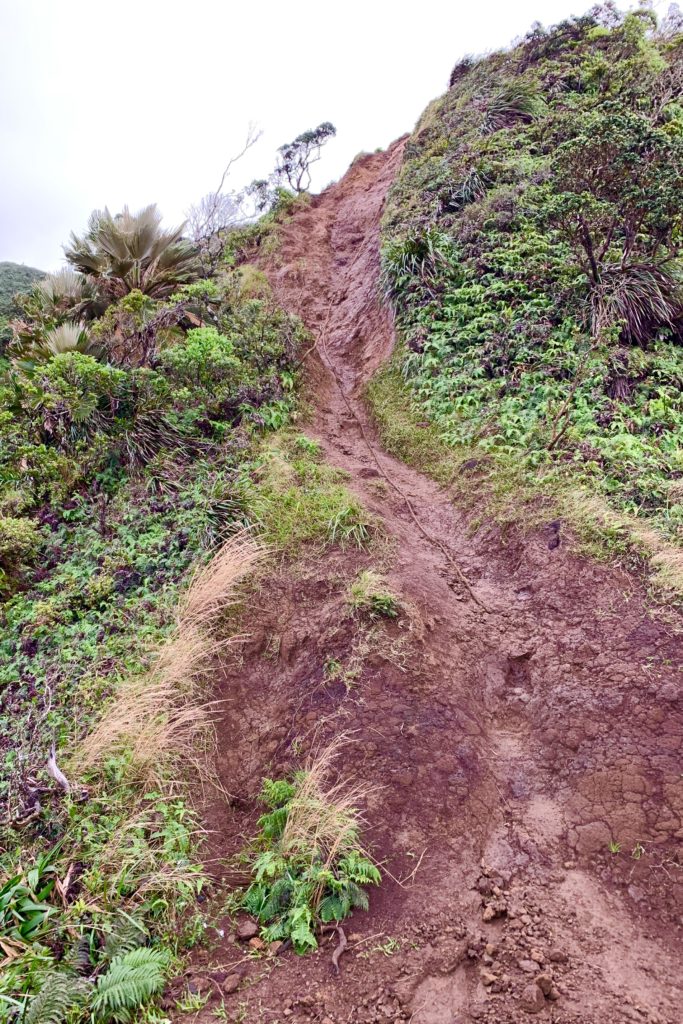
310,869
207,359
19,543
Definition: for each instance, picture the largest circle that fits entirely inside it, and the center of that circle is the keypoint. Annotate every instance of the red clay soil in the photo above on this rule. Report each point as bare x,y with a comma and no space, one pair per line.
509,746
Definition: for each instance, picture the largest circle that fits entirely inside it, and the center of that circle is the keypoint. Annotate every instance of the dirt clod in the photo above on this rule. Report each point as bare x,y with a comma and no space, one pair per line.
246,930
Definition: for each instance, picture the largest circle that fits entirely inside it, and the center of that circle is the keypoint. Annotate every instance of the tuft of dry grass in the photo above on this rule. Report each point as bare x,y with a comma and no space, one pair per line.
212,588
158,717
324,818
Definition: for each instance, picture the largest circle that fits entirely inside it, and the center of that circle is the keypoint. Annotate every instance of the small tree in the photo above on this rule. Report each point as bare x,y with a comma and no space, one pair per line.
295,158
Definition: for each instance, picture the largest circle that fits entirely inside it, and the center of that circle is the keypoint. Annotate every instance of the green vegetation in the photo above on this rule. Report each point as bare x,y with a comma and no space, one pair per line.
133,408
500,486
144,423
309,868
298,499
14,278
369,594
532,249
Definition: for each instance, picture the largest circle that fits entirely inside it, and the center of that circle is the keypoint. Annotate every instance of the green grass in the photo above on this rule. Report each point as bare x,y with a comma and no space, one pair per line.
369,595
298,499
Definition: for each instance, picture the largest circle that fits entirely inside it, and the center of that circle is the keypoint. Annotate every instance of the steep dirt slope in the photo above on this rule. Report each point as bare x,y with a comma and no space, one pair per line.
514,729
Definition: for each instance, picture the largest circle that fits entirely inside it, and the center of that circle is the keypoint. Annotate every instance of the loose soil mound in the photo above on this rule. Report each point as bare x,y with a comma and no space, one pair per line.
513,730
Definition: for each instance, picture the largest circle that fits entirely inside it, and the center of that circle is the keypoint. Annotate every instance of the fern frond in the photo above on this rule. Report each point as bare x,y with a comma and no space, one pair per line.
331,909
130,981
276,931
359,899
127,934
254,898
77,958
359,869
277,899
276,793
273,823
59,993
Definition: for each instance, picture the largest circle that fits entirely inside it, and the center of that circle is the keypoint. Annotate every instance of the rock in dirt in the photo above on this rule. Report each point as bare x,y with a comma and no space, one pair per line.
558,956
494,910
487,977
246,930
529,966
545,983
532,999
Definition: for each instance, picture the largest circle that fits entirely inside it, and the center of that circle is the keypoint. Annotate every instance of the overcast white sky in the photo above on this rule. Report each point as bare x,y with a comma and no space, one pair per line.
106,102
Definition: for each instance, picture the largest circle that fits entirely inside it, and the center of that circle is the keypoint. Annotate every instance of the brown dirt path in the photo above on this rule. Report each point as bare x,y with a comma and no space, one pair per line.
511,745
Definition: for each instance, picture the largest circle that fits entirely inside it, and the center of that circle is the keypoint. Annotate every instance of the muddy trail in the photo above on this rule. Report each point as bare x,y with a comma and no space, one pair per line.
519,718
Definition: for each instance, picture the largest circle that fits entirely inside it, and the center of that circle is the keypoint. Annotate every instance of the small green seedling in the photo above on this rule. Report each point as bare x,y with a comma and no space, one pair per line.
387,948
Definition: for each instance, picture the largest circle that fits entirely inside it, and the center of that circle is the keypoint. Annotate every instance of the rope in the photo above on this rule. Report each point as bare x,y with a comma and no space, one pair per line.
430,538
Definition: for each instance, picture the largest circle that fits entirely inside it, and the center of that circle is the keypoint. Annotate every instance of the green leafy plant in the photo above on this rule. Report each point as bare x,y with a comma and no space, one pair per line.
309,868
24,908
128,982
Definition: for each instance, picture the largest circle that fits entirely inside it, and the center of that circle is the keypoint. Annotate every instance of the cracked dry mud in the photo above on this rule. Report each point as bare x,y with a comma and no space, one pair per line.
509,746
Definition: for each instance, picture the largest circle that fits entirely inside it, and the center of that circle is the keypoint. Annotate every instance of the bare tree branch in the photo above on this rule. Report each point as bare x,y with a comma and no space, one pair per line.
217,211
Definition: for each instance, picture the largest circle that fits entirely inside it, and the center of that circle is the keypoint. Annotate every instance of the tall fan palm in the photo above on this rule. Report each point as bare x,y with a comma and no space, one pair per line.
133,251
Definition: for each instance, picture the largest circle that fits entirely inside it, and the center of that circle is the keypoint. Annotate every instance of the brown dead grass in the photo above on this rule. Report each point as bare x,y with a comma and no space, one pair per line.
212,589
324,816
160,718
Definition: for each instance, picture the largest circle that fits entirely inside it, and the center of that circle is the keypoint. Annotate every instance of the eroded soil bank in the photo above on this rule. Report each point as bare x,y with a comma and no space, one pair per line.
511,738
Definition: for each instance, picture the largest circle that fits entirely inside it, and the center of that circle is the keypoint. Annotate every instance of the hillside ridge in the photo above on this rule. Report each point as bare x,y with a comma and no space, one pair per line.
509,746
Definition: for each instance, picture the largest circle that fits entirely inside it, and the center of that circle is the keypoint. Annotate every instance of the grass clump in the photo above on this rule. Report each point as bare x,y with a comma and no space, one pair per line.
298,499
369,594
309,867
